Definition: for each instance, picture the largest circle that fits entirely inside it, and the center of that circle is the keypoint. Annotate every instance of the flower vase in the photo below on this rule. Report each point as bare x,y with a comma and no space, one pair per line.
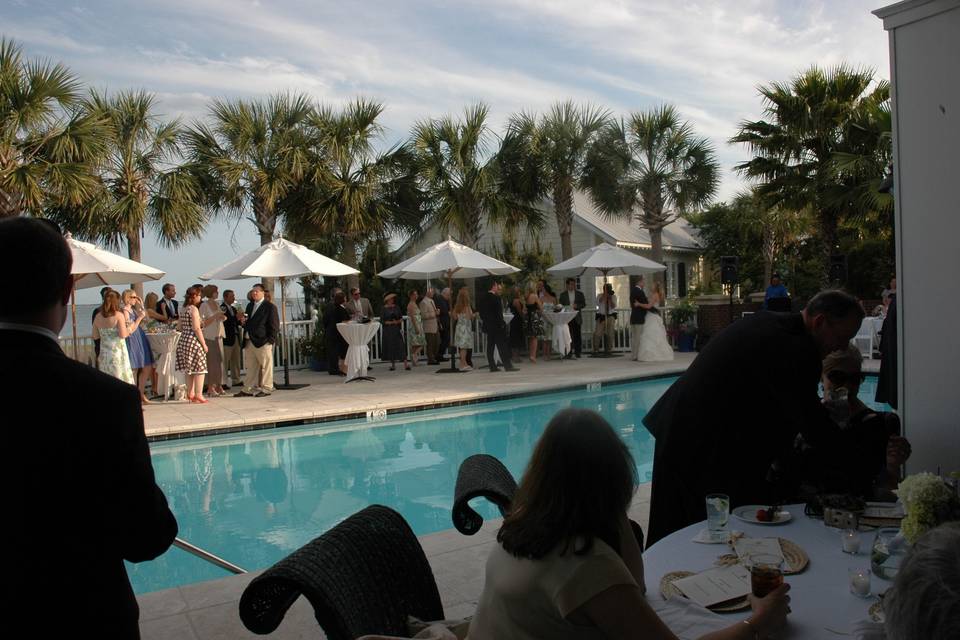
889,548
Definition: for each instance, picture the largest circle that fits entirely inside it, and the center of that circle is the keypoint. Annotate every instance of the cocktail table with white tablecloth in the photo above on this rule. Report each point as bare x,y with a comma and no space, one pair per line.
822,604
164,347
357,335
560,320
867,339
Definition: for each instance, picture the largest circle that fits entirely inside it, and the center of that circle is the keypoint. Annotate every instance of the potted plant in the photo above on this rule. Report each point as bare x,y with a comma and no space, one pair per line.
314,348
682,317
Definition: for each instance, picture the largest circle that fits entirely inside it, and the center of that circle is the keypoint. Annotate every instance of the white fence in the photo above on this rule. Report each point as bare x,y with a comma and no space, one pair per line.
294,331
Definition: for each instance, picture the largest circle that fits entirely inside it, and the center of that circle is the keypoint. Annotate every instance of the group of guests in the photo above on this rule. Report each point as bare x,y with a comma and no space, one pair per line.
211,336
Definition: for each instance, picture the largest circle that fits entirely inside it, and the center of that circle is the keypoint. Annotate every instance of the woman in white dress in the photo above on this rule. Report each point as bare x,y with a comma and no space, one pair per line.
654,346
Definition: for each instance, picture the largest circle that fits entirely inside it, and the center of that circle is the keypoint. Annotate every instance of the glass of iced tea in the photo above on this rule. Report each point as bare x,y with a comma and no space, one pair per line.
766,573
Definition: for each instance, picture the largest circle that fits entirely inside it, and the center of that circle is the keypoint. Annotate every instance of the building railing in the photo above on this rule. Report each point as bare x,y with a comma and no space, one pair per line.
296,330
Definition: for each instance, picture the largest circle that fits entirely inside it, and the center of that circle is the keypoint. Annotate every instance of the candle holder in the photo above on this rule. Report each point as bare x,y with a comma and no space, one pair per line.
859,579
850,541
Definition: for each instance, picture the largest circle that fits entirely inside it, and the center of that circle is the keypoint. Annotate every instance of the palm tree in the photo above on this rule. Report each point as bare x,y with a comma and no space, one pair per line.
46,140
774,224
139,183
251,156
797,148
552,153
351,191
651,168
463,181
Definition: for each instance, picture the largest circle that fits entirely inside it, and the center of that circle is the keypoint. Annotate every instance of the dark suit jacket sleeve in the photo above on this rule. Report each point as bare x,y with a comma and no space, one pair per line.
146,526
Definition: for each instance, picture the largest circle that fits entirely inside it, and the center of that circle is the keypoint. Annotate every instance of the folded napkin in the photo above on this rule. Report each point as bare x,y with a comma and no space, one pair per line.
687,619
705,537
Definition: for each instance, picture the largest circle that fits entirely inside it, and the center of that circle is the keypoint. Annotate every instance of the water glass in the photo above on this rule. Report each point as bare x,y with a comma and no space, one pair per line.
766,573
850,541
718,514
859,581
889,548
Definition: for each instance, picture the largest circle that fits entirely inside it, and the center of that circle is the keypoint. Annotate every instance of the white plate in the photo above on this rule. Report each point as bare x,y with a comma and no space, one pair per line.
748,513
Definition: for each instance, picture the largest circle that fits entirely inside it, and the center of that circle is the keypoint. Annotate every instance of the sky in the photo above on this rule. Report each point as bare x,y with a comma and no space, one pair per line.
429,58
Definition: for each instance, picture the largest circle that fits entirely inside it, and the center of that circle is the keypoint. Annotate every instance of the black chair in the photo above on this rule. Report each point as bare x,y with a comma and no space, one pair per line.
480,475
364,576
483,475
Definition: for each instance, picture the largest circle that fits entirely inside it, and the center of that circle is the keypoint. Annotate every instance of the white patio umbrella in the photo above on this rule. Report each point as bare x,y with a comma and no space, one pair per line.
96,267
280,259
446,260
607,260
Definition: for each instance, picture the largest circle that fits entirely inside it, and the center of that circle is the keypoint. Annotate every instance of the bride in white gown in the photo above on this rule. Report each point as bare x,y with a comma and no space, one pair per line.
654,346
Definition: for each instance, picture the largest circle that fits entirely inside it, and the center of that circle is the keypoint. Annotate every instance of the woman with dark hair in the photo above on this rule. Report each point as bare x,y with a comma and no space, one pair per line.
341,314
191,347
568,564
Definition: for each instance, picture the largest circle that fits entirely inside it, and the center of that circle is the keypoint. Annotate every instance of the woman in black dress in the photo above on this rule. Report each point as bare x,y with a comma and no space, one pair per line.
341,314
516,323
392,320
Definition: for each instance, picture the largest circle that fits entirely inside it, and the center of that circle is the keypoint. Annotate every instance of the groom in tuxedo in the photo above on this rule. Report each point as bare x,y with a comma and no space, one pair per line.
87,499
638,315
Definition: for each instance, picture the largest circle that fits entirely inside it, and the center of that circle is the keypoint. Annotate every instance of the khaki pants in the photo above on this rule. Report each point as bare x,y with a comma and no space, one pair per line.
259,361
231,362
604,327
636,331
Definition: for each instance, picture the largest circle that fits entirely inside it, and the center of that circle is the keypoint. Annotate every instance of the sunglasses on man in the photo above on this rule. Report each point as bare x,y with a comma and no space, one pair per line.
840,378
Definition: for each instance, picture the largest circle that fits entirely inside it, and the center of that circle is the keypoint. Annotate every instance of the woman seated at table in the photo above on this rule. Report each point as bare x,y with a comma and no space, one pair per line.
568,564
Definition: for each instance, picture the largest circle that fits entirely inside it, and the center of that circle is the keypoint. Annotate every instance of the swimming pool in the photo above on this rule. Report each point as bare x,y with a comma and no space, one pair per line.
253,497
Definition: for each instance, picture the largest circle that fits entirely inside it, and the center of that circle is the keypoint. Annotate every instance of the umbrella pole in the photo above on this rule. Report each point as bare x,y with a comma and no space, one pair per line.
284,353
73,308
453,348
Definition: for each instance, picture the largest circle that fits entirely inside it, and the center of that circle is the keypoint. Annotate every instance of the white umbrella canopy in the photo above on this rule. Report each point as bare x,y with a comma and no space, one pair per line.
96,267
446,260
606,259
279,259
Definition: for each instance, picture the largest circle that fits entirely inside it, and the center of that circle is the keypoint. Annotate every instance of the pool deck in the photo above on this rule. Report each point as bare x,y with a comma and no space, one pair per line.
209,610
328,397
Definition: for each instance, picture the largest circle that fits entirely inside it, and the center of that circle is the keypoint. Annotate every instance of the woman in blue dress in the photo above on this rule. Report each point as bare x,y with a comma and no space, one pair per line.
138,347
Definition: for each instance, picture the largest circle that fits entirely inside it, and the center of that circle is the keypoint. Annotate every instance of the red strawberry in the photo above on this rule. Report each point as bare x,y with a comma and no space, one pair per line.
763,515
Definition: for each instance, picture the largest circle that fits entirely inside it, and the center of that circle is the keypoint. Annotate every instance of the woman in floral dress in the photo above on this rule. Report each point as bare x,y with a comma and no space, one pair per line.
416,336
463,339
110,328
191,348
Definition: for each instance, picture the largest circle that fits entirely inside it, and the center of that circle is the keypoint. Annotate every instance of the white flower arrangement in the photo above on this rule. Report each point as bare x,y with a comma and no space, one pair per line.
928,502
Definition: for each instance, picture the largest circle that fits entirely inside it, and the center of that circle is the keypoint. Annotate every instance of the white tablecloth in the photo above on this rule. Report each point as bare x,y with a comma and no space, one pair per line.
561,329
164,347
357,336
820,596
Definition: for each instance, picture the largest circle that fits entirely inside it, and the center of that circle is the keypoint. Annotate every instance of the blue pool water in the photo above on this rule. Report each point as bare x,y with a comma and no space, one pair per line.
254,497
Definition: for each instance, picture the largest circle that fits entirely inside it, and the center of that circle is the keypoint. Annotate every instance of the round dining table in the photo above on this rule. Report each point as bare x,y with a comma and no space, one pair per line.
164,348
357,335
560,321
821,602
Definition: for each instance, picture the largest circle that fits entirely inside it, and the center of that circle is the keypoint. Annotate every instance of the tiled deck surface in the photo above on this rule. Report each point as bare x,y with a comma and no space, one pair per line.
209,610
328,396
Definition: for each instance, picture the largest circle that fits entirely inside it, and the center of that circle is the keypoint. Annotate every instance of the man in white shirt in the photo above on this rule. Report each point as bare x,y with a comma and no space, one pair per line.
606,320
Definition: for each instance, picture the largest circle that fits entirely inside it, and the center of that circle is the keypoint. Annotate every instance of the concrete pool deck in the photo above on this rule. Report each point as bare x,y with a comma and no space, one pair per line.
328,397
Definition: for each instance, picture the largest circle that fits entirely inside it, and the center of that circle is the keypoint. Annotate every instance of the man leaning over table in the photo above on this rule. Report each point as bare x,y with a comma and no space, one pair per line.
261,325
707,441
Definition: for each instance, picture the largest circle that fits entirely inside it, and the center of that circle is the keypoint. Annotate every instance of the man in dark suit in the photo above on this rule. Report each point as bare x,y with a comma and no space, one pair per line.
260,329
231,338
443,323
574,298
168,303
330,334
79,472
638,316
707,441
491,314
